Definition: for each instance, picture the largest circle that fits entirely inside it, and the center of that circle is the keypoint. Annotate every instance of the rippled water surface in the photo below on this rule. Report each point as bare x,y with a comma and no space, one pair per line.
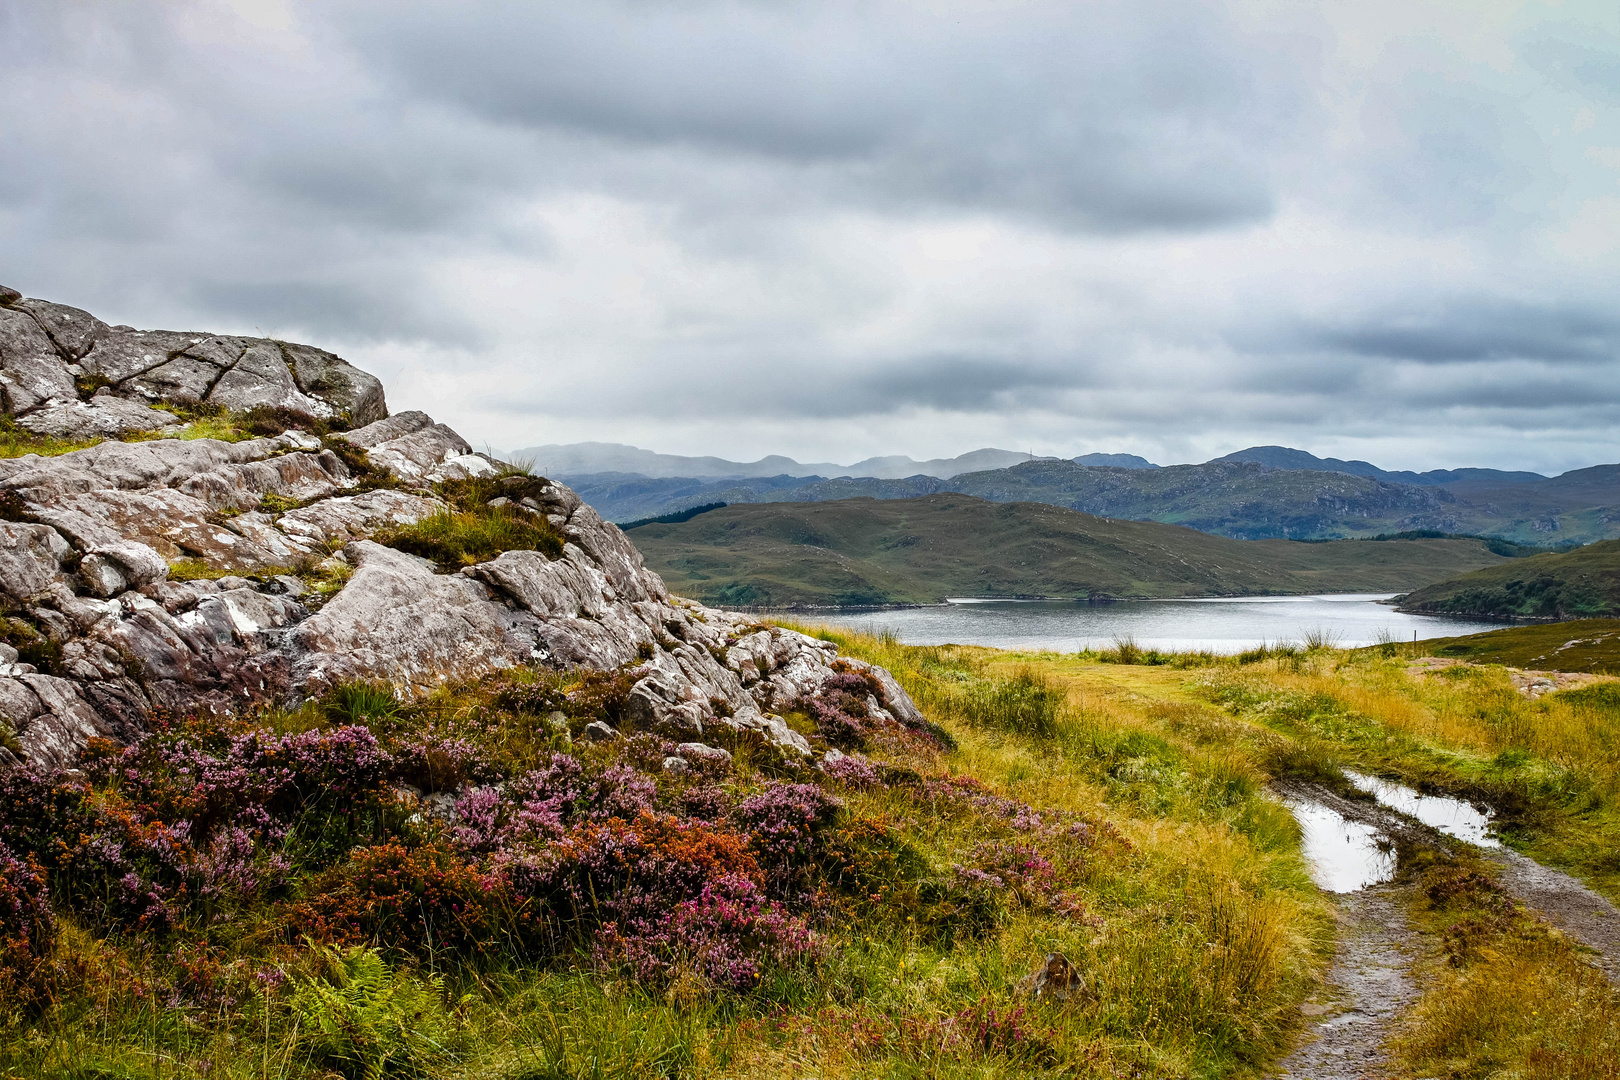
1220,626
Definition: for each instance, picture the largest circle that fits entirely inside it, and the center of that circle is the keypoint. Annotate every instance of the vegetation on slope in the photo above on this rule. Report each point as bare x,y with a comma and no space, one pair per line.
1581,645
863,551
484,516
266,896
1584,583
456,888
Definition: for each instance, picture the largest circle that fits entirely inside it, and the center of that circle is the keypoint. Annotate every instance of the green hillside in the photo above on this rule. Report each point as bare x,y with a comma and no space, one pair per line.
1583,583
1580,645
865,551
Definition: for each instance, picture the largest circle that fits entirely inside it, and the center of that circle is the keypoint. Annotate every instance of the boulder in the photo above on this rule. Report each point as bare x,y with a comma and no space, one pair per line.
31,558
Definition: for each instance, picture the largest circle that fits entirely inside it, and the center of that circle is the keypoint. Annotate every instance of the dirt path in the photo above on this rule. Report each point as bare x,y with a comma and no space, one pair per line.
1576,910
1371,981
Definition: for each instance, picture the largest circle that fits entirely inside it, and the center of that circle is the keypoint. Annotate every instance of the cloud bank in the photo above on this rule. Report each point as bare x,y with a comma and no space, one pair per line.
1388,230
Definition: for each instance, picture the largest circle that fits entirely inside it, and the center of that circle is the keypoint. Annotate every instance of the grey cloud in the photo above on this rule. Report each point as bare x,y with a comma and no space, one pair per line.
1104,117
1482,329
705,216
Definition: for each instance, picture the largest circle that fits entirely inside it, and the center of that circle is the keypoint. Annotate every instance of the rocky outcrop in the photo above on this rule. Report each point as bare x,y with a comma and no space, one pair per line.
64,372
100,636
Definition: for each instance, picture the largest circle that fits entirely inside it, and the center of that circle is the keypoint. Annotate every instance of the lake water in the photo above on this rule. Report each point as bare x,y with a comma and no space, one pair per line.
1218,625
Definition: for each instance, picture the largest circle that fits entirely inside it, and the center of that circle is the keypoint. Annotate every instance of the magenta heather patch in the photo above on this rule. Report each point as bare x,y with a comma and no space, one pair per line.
26,923
726,934
852,770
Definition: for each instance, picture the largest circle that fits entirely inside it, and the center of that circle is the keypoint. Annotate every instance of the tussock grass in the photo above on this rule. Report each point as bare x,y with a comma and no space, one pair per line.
1505,994
471,531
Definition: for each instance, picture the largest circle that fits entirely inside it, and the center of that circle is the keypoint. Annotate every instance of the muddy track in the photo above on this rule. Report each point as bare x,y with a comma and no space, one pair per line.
1588,918
1372,986
1370,979
1585,916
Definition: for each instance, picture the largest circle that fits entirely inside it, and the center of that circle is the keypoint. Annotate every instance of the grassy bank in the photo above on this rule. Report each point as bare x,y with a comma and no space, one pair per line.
307,912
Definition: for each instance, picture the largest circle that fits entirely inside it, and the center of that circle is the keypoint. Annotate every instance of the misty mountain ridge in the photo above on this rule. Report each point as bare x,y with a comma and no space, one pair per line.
1284,457
568,460
595,459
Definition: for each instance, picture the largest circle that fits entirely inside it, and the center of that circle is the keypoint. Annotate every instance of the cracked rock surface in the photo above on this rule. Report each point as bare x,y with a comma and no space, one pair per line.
100,636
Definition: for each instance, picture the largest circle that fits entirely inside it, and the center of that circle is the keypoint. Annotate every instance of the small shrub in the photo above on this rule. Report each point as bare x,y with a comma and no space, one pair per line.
411,899
26,926
365,1021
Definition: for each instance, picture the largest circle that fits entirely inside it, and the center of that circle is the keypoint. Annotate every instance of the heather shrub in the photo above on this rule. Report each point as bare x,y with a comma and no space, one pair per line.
725,935
842,712
26,925
613,883
439,763
785,822
853,771
410,899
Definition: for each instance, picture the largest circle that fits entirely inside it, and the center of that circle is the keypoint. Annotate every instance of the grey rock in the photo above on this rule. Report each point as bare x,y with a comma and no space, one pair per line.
597,731
8,655
184,379
704,752
138,563
101,417
102,575
330,378
121,355
73,332
31,558
398,620
261,377
352,517
31,371
389,428
676,766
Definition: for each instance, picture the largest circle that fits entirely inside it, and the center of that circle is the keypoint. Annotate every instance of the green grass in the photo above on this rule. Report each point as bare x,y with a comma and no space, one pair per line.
472,531
863,551
1588,645
1580,584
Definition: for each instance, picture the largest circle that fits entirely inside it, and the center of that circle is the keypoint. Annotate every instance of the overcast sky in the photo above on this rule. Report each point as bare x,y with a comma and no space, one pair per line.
1386,230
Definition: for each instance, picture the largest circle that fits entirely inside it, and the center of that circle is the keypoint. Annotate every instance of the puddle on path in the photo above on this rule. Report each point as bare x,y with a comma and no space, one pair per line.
1454,817
1344,856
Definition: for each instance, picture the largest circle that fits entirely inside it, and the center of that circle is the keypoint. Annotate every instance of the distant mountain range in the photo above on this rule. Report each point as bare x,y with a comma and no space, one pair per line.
1258,493
583,459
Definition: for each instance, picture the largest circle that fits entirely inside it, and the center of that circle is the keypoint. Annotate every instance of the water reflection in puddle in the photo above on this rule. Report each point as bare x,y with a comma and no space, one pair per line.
1453,817
1346,855
1343,855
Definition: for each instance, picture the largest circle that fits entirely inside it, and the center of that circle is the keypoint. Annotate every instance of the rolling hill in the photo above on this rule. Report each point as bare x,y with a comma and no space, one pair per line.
1579,584
922,550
